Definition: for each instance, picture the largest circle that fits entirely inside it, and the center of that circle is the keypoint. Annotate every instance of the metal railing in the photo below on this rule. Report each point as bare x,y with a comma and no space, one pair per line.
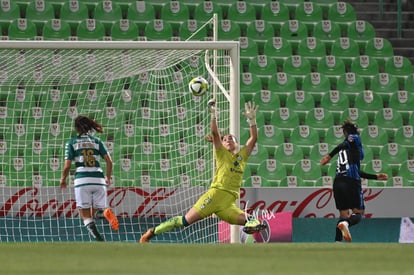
399,15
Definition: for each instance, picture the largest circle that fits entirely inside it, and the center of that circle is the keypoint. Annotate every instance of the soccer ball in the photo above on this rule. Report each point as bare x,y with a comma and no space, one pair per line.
198,86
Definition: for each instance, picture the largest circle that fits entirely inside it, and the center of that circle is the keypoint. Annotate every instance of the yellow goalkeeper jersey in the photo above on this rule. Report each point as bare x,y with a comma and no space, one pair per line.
230,170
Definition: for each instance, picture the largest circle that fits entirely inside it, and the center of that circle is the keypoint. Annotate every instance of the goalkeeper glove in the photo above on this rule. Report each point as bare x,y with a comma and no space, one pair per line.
212,107
250,112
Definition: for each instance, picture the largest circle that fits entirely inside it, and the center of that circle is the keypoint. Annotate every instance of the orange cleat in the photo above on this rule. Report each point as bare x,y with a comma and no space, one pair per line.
343,226
147,236
111,218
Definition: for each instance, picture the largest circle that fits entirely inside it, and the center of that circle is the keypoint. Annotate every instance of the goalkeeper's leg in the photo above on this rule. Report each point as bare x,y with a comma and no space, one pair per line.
178,221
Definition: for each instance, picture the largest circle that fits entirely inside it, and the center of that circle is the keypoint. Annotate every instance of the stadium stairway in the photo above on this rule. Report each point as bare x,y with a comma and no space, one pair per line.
386,24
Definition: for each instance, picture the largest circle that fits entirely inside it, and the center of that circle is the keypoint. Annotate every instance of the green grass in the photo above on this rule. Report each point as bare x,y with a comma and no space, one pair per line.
223,259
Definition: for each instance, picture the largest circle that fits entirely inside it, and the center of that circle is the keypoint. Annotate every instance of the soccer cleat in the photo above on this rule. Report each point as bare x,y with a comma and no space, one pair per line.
147,236
111,218
343,226
254,226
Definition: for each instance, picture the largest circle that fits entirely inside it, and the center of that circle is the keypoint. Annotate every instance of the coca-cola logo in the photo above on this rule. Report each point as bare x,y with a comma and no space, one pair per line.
315,201
161,202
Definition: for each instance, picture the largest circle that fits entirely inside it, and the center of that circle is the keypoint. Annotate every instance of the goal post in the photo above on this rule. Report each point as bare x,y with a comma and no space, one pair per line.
153,127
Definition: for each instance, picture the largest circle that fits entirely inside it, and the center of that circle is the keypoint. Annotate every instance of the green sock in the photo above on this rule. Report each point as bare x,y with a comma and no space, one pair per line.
169,224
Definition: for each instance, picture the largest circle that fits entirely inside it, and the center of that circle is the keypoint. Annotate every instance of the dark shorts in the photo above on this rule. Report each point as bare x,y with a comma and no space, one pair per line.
348,193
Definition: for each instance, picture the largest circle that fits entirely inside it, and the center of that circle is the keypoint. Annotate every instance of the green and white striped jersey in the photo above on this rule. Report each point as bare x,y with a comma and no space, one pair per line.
86,151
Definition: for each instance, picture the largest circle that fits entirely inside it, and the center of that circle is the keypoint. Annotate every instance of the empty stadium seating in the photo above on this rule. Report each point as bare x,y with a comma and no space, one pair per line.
301,60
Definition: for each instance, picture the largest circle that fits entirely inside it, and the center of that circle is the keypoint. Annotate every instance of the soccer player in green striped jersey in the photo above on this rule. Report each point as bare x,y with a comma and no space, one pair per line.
86,151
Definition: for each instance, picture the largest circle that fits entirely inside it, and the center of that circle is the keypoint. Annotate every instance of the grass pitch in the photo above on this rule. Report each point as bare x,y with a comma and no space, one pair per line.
222,259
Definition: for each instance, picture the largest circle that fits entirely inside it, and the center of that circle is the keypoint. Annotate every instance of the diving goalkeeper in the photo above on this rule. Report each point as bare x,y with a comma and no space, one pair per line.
220,198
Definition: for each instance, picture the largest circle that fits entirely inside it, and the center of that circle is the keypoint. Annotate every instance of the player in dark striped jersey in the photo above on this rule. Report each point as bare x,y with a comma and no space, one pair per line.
347,184
86,151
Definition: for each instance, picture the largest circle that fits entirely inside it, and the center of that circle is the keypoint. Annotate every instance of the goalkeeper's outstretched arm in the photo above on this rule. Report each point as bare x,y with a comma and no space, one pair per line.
250,114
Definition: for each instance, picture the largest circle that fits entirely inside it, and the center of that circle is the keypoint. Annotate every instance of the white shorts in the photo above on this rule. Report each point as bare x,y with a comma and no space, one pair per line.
91,196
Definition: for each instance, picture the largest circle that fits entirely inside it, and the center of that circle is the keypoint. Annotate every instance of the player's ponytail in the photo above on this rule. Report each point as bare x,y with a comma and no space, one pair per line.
84,124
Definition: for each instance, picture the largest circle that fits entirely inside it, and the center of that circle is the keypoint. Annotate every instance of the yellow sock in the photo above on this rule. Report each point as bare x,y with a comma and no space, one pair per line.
169,224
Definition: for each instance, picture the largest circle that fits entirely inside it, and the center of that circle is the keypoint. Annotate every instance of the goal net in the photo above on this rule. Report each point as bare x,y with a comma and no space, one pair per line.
154,129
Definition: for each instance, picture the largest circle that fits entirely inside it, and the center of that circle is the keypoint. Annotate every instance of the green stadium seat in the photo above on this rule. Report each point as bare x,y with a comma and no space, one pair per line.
374,137
263,66
283,85
343,14
56,29
305,137
320,150
313,49
228,30
308,170
258,154
351,85
356,116
367,67
176,13
260,31
298,67
384,85
389,120
270,136
278,49
345,49
74,12
409,83
369,102
191,30
289,154
248,49
361,31
9,11
292,181
39,12
273,171
404,137
379,48
90,29
310,14
400,67
377,166
402,101
394,154
267,100
325,5
317,85
333,67
292,4
250,84
294,31
336,103
301,102
334,135
285,119
124,29
158,30
141,13
320,120
275,13
22,29
327,31
205,11
407,172
107,12
242,13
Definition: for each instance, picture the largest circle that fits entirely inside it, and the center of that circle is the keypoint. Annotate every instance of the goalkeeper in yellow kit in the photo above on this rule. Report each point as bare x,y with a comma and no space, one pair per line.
220,198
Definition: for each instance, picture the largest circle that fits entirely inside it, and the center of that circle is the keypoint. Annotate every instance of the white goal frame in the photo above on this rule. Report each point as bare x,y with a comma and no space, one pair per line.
232,46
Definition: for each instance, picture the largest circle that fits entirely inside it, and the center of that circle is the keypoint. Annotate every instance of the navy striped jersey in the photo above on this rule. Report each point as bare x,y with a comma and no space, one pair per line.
86,151
350,156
